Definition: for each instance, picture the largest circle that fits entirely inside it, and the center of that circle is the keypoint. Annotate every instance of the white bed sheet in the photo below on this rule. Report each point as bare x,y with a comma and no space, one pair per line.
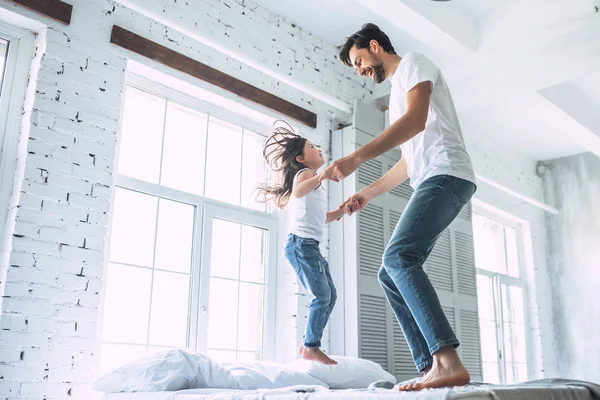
468,393
183,394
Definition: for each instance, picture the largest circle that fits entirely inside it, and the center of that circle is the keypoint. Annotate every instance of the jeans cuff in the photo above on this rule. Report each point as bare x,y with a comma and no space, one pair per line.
425,364
312,345
444,343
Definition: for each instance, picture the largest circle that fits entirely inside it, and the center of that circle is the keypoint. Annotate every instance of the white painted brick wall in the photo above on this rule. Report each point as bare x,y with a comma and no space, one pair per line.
50,304
275,44
51,290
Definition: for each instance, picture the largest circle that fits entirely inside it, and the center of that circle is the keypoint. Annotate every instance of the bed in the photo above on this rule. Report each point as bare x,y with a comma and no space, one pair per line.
535,390
184,375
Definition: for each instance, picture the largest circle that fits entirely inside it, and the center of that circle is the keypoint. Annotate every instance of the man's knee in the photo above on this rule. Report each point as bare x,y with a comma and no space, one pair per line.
382,275
402,256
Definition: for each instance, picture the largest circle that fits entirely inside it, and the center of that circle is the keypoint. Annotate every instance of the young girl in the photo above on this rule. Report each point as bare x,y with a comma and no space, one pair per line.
295,161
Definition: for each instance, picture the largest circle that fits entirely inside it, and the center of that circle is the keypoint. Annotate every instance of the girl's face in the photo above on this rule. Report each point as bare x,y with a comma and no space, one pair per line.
313,157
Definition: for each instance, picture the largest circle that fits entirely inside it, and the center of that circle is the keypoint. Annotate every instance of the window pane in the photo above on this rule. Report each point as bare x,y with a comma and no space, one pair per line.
133,226
521,372
170,306
518,343
512,304
253,171
251,317
508,343
221,356
252,267
175,233
489,342
184,149
223,163
141,135
491,373
225,249
3,51
127,304
485,298
223,314
489,244
512,253
160,349
516,304
116,355
243,356
511,374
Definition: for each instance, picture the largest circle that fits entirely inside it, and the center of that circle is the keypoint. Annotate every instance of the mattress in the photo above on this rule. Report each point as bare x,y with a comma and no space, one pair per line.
471,392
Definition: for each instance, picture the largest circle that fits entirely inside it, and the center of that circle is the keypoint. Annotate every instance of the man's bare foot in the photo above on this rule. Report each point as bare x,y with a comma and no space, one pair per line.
315,354
301,349
426,370
447,371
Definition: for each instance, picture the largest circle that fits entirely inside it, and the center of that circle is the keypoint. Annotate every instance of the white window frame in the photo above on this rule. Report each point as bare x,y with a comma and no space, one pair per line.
212,211
18,63
205,210
499,279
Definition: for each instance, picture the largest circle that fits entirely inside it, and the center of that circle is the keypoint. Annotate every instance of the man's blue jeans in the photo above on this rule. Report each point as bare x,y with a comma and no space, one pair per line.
431,209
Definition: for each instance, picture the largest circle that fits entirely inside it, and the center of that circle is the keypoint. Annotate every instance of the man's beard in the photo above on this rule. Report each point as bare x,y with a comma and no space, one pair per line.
378,72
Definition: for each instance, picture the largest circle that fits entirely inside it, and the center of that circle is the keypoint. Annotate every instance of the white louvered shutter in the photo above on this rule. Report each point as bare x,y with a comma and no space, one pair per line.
371,239
373,335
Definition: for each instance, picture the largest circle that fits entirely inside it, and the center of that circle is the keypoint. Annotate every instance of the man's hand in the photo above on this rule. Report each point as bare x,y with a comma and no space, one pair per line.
341,168
355,203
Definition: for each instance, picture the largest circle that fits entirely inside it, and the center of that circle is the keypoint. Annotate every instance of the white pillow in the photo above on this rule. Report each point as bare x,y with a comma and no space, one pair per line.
266,375
166,371
348,373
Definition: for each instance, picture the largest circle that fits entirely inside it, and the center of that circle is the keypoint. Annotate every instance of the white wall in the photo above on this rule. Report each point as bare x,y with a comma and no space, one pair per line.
572,184
51,283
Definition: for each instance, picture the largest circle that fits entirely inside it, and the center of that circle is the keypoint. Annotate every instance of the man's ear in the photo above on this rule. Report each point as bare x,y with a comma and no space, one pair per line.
374,45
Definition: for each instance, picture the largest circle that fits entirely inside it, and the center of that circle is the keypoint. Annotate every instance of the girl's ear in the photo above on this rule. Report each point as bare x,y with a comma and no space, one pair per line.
300,159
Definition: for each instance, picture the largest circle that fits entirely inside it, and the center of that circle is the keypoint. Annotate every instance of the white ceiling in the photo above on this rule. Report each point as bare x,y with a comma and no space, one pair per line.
590,85
536,50
518,124
481,10
334,20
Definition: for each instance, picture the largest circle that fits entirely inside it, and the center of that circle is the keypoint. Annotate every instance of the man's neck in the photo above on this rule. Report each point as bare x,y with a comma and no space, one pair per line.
391,65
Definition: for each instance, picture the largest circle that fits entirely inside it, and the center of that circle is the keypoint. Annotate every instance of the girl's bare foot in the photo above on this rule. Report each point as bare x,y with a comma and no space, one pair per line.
315,354
447,371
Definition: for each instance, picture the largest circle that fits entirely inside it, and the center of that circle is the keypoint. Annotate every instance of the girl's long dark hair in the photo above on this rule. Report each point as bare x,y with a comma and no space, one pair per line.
280,152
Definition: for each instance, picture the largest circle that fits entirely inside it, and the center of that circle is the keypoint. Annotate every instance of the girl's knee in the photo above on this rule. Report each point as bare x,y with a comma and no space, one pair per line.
333,297
323,294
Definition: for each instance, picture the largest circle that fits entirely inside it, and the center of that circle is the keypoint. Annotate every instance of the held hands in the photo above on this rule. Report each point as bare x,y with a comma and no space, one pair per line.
341,168
354,204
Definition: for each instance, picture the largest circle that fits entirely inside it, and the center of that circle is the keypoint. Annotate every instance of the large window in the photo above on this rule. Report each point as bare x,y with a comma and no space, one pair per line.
192,254
16,54
501,294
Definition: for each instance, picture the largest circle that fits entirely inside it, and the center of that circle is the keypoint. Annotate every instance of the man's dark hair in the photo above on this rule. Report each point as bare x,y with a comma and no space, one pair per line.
361,40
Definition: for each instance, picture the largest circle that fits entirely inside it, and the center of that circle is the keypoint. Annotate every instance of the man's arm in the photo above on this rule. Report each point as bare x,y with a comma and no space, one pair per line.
404,129
395,176
401,131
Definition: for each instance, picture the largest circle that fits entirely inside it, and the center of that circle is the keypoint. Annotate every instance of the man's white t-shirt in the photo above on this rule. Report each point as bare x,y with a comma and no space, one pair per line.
440,148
